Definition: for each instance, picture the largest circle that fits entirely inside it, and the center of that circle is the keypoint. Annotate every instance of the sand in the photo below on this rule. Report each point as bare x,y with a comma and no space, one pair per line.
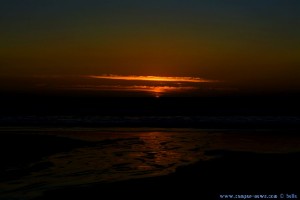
228,172
237,173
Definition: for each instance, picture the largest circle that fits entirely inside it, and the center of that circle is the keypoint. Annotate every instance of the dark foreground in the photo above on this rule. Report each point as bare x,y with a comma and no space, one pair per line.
33,166
220,112
228,172
233,173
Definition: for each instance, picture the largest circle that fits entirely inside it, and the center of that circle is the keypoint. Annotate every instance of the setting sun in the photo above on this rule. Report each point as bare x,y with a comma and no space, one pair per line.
130,99
154,78
157,86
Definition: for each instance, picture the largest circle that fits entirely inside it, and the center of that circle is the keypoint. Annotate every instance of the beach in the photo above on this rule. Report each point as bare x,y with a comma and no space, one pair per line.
50,163
165,99
230,175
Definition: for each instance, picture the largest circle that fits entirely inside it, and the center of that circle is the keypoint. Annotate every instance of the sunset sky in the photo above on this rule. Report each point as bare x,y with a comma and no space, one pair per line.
250,44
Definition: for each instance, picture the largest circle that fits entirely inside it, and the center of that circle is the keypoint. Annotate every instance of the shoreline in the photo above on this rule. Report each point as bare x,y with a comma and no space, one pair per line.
229,173
197,122
28,152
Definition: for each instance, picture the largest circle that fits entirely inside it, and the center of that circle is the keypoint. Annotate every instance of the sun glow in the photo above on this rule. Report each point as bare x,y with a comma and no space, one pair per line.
154,78
157,91
157,86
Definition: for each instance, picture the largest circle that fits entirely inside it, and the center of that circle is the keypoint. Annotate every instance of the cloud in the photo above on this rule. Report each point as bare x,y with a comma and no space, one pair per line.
154,78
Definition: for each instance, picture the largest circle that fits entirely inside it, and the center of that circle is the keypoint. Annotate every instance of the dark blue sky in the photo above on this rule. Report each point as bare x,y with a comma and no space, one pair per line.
240,40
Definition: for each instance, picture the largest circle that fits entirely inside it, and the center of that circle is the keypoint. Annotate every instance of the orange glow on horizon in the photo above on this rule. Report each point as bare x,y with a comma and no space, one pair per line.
160,90
154,78
156,91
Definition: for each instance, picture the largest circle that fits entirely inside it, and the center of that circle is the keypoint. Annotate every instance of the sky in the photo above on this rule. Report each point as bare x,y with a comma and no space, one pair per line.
244,44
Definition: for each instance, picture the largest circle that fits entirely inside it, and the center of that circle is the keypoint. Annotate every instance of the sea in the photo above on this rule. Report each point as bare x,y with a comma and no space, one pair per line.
50,142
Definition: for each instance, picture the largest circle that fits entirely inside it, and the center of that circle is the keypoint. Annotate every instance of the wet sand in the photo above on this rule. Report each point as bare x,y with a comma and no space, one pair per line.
237,173
244,162
18,151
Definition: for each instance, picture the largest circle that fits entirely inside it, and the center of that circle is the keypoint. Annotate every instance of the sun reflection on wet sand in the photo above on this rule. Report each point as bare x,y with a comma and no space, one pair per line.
159,152
122,154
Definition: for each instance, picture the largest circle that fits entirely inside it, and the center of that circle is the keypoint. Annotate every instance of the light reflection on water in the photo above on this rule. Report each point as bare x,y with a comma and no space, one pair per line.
113,157
119,155
129,156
